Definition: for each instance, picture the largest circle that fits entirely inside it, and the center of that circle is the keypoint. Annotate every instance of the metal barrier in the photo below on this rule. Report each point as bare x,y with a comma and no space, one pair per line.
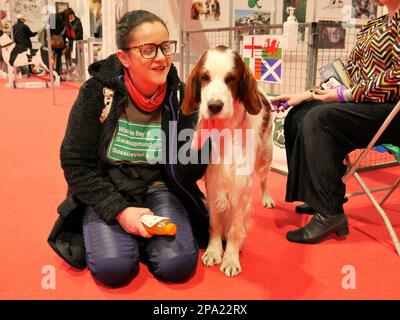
300,66
300,69
84,53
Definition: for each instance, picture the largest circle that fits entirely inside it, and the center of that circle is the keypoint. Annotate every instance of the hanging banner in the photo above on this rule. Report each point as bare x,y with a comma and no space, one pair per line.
263,55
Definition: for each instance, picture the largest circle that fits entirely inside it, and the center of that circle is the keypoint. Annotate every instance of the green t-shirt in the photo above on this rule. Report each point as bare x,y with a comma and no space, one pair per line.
137,138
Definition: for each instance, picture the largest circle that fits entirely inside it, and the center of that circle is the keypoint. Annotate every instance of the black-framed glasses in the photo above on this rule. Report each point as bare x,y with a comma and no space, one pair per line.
150,50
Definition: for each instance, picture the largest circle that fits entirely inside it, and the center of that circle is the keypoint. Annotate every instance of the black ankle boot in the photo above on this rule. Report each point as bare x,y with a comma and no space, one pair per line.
319,227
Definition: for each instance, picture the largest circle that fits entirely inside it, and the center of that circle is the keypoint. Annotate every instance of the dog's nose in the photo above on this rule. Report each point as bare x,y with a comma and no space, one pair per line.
215,106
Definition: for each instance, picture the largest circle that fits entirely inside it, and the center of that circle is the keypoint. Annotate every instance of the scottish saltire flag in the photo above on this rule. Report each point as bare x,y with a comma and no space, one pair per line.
263,55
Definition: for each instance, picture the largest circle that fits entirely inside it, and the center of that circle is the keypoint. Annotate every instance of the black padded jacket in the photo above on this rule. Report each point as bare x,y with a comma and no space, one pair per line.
85,167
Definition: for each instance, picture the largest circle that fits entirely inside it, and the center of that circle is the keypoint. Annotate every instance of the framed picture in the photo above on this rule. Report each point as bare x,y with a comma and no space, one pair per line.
364,9
331,35
300,9
209,10
333,10
61,6
252,18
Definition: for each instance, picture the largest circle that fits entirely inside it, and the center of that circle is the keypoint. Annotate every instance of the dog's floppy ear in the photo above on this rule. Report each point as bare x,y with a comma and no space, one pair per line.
264,100
248,92
193,91
218,9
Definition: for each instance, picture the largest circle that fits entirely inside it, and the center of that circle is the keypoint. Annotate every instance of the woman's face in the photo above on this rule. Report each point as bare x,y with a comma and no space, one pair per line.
147,74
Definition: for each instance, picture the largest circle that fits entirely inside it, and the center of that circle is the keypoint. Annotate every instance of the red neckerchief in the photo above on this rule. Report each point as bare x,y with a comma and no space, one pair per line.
144,103
70,31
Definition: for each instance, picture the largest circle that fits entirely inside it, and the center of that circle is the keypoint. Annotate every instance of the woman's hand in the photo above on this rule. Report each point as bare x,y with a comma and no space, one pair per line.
129,219
292,99
329,95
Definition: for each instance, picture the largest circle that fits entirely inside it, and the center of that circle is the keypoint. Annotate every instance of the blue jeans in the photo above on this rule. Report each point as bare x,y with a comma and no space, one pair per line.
112,254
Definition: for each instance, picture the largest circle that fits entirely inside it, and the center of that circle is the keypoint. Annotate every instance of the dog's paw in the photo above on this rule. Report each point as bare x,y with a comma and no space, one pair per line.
231,266
268,202
211,257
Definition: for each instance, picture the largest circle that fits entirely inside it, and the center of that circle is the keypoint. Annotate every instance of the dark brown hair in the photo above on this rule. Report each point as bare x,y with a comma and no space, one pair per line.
129,22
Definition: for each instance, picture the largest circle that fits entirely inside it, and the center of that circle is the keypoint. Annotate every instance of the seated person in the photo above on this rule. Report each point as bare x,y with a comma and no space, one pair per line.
325,125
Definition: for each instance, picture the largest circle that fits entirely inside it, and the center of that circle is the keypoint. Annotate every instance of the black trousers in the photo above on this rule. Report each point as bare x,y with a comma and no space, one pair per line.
318,136
58,53
113,255
68,53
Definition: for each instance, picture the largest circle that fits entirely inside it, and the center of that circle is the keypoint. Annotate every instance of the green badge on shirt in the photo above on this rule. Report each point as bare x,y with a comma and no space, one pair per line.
135,142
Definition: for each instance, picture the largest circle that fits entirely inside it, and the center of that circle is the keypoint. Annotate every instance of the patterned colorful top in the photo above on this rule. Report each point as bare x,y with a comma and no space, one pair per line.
374,63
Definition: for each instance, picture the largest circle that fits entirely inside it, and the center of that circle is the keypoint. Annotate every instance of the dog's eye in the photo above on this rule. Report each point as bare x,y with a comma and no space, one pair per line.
230,79
204,77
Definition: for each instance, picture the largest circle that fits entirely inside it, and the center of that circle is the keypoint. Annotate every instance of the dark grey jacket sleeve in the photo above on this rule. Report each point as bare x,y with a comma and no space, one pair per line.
79,155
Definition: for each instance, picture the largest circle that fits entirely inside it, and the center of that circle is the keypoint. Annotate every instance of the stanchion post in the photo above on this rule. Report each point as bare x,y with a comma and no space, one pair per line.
50,51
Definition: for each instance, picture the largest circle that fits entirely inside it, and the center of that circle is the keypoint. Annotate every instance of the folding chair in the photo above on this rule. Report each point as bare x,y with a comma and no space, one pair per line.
353,171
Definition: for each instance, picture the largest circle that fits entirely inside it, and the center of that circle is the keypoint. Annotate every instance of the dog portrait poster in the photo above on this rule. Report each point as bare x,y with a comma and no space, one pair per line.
207,10
364,9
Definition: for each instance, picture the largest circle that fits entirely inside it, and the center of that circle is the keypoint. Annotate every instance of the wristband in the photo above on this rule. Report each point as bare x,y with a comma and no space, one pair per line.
339,91
279,104
285,105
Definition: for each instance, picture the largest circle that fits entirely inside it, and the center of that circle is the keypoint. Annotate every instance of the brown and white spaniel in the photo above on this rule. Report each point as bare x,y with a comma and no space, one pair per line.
213,9
235,113
196,10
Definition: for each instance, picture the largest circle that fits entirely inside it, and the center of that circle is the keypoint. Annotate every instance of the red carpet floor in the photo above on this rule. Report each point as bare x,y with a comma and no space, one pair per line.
32,185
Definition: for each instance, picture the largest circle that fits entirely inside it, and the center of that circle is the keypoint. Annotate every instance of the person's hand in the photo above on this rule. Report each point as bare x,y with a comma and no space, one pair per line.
292,100
329,95
129,219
